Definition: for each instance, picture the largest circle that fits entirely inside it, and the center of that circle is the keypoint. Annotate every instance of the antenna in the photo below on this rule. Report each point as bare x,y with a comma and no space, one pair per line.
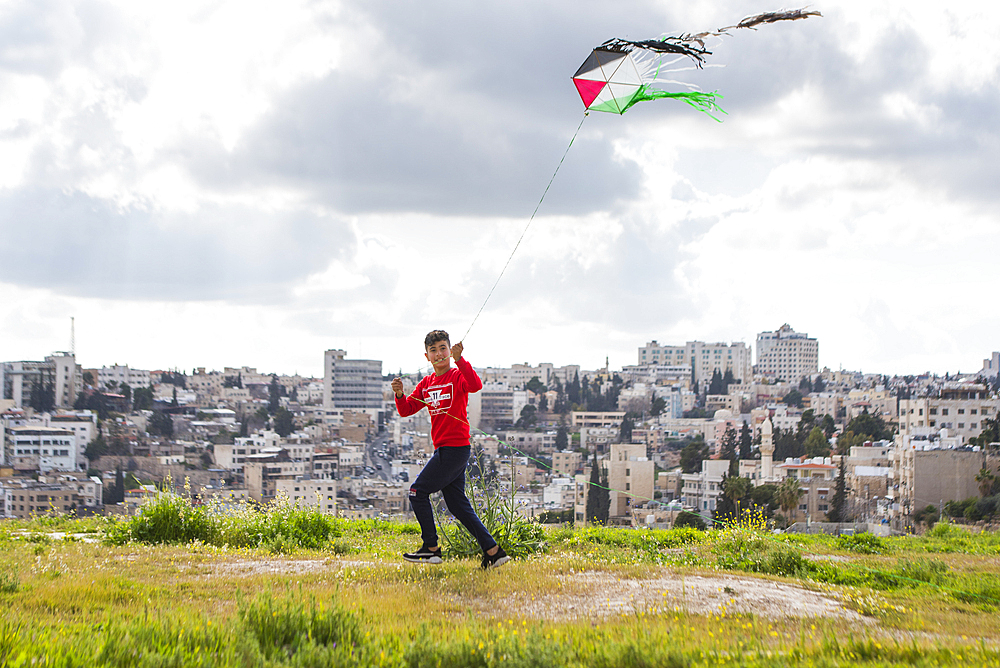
72,336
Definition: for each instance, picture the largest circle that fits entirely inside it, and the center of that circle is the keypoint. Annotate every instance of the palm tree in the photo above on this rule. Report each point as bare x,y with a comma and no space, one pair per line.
788,495
985,478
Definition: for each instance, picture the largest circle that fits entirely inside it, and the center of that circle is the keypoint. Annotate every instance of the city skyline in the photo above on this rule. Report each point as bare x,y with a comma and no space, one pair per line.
230,183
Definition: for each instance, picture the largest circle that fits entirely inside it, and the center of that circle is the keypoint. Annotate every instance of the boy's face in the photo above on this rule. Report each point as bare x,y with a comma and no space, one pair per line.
439,355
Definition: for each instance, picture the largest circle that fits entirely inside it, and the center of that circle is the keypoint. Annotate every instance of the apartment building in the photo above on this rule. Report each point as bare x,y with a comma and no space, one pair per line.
959,407
704,358
630,476
786,354
34,447
121,375
58,373
353,384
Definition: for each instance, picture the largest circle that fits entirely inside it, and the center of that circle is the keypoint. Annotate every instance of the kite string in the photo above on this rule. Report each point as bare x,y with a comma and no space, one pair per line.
521,238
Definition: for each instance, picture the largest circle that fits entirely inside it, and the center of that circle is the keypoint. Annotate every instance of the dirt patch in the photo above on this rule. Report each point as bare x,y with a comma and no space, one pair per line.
597,595
603,595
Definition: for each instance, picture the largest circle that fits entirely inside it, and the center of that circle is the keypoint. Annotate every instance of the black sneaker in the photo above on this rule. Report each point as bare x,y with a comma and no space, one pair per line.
495,560
424,556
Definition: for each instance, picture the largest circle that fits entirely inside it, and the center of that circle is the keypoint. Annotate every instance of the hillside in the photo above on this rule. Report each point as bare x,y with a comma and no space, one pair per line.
587,597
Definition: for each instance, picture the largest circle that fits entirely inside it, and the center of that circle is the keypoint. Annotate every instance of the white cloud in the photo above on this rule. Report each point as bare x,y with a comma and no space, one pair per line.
257,182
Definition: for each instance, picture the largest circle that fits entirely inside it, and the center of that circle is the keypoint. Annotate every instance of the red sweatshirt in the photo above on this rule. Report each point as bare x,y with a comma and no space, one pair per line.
447,399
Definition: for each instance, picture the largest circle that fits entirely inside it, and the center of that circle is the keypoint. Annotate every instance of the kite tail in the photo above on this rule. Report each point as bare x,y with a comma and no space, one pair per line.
706,103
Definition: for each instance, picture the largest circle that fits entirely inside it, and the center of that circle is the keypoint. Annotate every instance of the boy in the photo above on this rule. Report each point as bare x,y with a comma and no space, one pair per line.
446,396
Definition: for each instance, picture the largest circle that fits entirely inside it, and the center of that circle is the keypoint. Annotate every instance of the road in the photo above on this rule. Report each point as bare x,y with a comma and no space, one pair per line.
376,465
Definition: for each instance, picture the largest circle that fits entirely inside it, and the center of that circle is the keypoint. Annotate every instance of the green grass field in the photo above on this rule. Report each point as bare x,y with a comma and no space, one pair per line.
303,590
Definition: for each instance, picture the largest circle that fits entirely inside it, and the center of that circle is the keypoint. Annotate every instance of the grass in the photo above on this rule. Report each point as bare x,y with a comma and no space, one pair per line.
339,594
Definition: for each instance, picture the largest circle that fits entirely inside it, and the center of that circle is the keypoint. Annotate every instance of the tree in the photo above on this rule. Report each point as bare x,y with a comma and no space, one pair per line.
715,386
659,403
142,399
96,448
985,480
735,491
805,385
729,444
693,454
793,398
573,389
543,404
806,422
746,441
788,495
596,505
273,395
604,496
118,490
126,391
160,424
283,423
816,444
562,438
625,430
727,380
838,504
536,386
818,384
686,518
829,425
528,417
870,425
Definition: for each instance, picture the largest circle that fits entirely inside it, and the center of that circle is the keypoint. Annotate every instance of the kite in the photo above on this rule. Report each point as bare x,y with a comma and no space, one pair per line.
620,72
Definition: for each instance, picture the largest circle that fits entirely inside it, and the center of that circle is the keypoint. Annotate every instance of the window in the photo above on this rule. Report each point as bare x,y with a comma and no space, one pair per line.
972,411
944,411
920,411
824,507
973,425
803,506
931,423
961,425
932,411
961,411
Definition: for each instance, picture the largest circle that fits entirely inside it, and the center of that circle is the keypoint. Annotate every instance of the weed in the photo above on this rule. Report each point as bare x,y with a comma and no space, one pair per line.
281,627
863,543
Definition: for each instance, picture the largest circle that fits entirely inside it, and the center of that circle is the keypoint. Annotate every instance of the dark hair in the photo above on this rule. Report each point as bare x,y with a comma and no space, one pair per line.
435,336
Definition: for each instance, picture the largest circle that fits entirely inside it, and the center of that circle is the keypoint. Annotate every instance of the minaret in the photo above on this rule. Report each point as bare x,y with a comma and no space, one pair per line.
766,450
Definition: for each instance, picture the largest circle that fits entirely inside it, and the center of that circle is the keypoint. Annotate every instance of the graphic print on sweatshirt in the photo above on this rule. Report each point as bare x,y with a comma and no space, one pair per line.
438,398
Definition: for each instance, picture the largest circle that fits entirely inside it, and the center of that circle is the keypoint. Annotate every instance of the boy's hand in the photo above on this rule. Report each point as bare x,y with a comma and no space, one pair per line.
397,386
456,351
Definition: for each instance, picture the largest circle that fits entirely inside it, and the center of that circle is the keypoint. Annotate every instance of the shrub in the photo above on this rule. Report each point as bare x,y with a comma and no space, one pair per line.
517,535
281,526
282,627
863,543
688,519
742,549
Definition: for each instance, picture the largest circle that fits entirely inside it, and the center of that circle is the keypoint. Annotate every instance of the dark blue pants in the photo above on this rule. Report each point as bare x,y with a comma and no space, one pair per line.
445,473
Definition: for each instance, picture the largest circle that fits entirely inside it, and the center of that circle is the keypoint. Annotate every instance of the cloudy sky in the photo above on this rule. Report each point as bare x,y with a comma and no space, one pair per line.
230,182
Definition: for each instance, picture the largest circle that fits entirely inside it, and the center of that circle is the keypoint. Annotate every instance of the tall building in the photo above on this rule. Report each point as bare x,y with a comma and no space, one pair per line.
58,374
705,358
785,354
351,384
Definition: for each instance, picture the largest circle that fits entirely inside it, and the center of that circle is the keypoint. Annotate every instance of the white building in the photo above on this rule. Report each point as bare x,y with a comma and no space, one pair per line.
705,358
310,493
59,373
960,408
701,489
786,354
352,384
121,375
38,448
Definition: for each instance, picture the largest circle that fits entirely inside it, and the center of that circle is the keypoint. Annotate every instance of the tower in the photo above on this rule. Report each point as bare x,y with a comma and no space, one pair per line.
766,450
